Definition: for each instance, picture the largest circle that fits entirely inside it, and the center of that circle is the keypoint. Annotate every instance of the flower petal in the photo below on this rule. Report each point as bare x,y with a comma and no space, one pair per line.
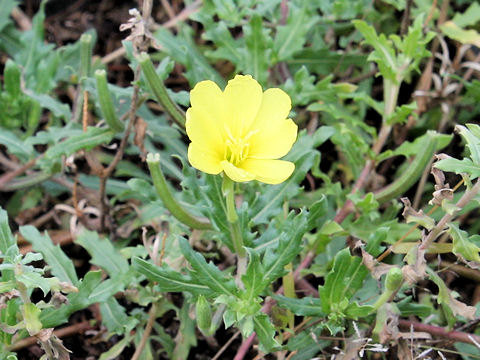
276,105
274,141
202,129
206,115
204,159
235,173
243,96
269,171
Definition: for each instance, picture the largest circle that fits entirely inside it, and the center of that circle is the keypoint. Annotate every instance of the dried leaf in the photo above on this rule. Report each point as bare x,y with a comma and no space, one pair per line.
417,265
376,269
419,217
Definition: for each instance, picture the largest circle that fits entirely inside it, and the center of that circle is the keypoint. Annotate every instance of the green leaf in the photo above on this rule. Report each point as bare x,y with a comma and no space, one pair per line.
103,253
6,237
86,141
469,17
304,157
57,108
34,280
462,246
169,280
455,32
182,49
61,265
408,148
16,146
289,245
472,137
291,37
114,316
451,307
307,306
116,350
265,333
76,301
464,166
342,282
253,277
31,315
207,274
6,6
384,52
186,337
257,41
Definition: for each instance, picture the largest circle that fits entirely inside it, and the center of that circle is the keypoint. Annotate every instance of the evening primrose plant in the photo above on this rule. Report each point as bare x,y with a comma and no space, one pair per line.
289,179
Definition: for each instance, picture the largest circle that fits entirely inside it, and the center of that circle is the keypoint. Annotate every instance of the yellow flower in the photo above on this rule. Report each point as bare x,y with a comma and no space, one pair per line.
240,131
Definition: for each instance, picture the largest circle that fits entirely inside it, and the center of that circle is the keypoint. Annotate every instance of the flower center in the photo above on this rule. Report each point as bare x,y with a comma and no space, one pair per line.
237,148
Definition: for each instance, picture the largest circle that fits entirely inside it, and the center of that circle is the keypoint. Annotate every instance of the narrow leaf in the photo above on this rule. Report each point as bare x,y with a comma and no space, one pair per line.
61,265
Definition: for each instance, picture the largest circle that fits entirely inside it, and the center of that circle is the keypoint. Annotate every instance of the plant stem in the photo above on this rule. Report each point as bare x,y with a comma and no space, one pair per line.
232,217
146,333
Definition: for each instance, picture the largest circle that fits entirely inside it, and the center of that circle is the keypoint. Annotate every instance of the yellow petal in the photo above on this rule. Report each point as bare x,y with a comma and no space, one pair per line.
235,173
276,105
243,96
204,159
206,115
203,130
273,142
269,171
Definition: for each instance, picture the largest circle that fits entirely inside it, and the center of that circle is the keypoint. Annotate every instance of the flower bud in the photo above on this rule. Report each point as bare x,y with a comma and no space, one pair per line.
203,313
394,279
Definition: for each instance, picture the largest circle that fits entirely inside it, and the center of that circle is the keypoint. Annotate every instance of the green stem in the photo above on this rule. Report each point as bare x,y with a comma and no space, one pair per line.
232,217
159,90
153,161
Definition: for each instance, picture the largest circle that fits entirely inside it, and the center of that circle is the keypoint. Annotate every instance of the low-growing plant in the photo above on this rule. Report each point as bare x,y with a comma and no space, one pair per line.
281,195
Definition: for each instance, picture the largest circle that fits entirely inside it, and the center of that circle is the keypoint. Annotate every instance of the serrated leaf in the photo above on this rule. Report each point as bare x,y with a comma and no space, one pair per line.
472,137
383,54
464,166
76,301
455,32
288,247
408,148
462,245
207,273
451,306
87,140
168,279
34,280
61,265
265,333
343,281
307,306
103,253
114,316
253,277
